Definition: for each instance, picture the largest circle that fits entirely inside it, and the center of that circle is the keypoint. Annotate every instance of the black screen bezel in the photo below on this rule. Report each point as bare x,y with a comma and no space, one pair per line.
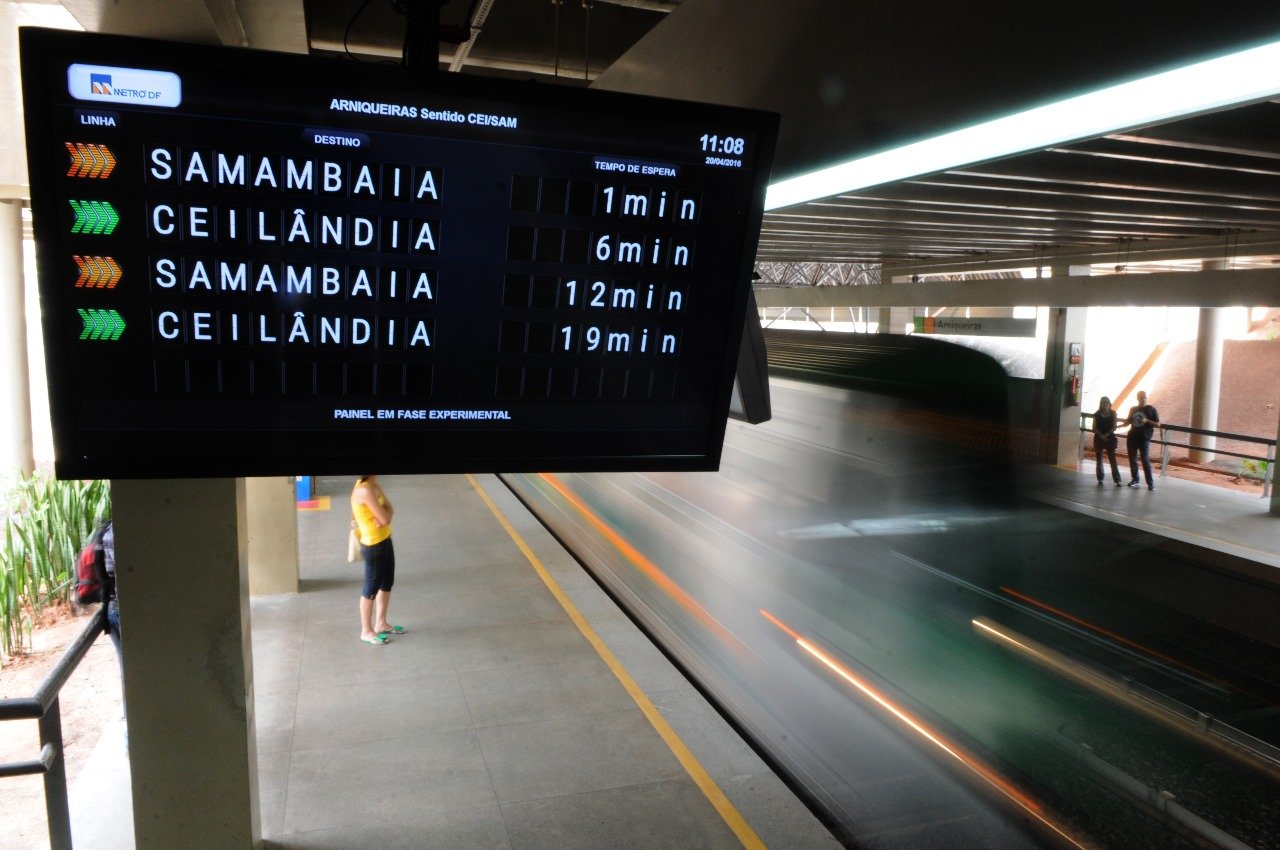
45,50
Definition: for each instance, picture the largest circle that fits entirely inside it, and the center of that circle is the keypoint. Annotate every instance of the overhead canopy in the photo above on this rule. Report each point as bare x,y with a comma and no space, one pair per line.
856,79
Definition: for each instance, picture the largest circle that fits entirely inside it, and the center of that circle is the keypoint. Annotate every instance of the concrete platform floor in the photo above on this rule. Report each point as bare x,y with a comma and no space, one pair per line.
1213,518
495,721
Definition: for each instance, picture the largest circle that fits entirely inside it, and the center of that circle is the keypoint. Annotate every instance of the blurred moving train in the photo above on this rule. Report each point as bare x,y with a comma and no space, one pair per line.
928,657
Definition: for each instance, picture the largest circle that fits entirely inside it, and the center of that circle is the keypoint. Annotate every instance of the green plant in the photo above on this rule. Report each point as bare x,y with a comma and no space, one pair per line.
46,524
1253,468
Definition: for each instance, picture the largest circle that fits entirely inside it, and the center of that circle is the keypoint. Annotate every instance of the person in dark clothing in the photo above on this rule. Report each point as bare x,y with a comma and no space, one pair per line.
111,600
109,589
1104,438
1142,421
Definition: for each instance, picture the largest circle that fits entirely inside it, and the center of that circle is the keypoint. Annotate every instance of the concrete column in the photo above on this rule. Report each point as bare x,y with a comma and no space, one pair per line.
1066,325
16,398
885,320
181,559
1206,386
899,318
273,535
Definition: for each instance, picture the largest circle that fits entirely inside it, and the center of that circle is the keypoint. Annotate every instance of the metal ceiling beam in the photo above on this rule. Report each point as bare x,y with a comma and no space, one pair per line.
475,25
1082,172
275,25
1182,155
265,24
951,216
227,22
1231,148
514,66
1218,247
1243,288
996,189
173,20
664,6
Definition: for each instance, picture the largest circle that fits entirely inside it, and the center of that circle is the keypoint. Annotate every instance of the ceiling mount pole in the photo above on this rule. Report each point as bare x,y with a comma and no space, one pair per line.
421,33
587,6
480,12
557,4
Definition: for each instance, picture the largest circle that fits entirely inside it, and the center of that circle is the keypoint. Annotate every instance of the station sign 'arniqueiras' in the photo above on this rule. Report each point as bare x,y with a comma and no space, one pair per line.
259,264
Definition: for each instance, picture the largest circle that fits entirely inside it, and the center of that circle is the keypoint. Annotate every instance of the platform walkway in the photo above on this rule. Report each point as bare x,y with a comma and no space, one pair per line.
1211,518
493,722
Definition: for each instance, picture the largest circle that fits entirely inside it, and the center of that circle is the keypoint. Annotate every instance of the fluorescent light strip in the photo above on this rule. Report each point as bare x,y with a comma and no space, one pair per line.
1242,77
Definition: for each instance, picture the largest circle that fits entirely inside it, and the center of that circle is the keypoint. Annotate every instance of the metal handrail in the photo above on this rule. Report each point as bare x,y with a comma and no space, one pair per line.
1268,458
44,708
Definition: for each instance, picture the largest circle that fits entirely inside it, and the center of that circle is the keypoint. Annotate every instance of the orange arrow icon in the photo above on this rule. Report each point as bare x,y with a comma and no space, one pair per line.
75,160
97,272
87,160
96,161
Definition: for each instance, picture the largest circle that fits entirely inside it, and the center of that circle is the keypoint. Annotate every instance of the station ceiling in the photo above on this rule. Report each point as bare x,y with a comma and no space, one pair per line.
853,77
1212,181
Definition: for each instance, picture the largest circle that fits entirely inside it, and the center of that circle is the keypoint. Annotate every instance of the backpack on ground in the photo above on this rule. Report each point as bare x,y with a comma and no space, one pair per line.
93,583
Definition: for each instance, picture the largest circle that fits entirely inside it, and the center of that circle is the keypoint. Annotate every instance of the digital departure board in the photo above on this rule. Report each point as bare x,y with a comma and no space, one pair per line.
257,264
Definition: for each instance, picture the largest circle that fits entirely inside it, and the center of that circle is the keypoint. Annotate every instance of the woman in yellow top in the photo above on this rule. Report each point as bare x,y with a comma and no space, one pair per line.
372,512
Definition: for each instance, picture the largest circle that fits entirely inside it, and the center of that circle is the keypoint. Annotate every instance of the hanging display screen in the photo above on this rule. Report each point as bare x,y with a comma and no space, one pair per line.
258,264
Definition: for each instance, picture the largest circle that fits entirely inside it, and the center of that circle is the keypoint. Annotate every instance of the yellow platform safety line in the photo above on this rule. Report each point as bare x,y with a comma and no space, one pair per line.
732,817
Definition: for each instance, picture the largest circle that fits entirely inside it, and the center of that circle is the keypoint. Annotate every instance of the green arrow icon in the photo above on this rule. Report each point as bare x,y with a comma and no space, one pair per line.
95,217
90,323
116,325
101,324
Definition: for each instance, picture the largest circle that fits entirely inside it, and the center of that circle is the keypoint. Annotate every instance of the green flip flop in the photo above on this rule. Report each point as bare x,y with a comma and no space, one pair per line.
394,630
376,640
